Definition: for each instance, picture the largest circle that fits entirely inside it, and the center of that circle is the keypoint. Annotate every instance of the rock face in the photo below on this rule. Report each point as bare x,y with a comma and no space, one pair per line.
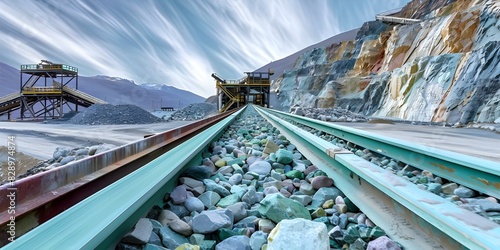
299,234
442,69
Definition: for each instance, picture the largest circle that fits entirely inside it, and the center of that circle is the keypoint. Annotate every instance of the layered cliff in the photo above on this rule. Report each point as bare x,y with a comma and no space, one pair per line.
441,69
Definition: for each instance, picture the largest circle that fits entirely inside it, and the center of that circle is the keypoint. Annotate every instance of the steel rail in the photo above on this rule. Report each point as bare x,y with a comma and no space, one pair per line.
42,196
479,174
414,217
99,221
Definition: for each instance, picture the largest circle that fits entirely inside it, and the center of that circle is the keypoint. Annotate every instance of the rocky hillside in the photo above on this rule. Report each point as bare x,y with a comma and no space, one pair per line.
442,69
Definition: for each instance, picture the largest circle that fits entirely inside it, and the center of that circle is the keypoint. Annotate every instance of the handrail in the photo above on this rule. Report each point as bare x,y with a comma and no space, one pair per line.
48,67
400,20
390,12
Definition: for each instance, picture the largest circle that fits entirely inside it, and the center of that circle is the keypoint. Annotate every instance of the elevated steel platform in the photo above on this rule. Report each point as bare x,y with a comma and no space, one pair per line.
35,101
253,88
391,17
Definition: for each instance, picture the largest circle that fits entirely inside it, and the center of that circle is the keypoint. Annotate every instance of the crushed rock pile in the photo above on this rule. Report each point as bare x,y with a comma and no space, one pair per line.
107,114
64,155
329,114
194,111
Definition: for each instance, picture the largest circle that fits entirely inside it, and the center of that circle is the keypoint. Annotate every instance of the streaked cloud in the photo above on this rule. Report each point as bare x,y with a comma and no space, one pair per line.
178,43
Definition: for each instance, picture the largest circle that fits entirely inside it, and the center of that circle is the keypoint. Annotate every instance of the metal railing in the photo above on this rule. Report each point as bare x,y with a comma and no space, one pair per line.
48,67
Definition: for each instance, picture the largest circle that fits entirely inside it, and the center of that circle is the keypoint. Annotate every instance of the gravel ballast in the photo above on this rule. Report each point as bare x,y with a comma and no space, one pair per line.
107,114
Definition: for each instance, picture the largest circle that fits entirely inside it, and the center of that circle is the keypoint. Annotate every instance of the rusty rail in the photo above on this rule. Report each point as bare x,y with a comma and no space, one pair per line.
40,197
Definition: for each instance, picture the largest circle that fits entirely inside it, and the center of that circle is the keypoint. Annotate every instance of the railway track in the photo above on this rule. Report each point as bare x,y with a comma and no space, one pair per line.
415,218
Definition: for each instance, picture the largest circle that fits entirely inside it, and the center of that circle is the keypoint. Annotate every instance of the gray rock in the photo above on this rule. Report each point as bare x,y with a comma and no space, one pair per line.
383,243
67,160
246,222
190,182
343,220
193,204
211,220
486,205
82,151
171,239
250,197
235,179
239,242
209,198
270,190
239,210
303,199
463,192
260,167
258,239
60,152
93,150
179,195
169,218
198,172
306,188
140,234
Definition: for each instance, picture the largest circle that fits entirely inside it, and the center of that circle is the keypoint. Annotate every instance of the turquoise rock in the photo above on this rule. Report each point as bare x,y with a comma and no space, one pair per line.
240,190
324,194
376,232
276,207
294,174
228,200
284,156
434,188
210,185
208,244
237,161
171,239
224,233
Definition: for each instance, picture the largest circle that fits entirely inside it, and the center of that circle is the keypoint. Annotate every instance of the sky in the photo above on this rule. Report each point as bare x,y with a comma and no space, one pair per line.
174,42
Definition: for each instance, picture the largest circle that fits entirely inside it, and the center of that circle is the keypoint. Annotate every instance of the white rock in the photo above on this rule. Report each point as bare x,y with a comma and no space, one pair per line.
299,234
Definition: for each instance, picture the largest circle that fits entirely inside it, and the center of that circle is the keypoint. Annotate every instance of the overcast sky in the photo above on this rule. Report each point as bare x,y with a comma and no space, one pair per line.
173,42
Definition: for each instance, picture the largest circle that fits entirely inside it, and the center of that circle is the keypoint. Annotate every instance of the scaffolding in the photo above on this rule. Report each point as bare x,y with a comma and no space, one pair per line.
44,89
253,88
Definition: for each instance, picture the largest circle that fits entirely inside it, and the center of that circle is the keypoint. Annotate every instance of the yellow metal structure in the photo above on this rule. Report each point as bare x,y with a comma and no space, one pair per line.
253,88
